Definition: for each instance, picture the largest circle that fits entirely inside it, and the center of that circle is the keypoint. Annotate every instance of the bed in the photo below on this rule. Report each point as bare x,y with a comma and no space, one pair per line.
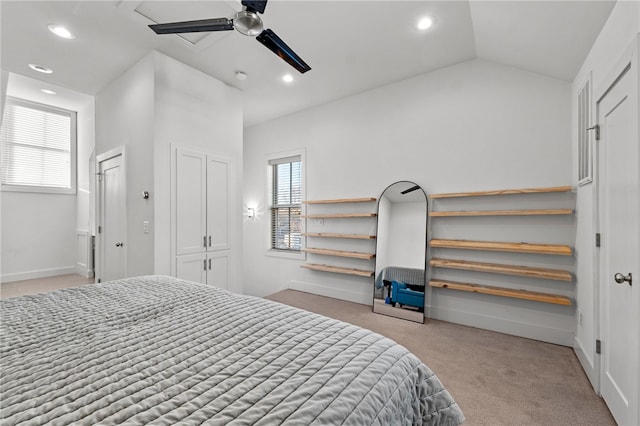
158,350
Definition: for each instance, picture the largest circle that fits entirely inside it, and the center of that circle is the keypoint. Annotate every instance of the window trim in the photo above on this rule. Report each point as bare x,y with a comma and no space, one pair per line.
270,160
585,150
73,151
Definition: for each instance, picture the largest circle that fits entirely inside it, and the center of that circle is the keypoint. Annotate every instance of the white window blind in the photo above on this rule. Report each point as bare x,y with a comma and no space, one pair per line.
584,137
286,204
38,147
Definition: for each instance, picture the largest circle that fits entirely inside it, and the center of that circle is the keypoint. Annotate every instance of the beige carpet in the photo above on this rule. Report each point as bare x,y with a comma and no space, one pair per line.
42,285
496,379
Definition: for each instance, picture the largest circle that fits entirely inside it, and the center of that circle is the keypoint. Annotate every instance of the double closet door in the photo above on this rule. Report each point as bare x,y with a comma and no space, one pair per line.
202,217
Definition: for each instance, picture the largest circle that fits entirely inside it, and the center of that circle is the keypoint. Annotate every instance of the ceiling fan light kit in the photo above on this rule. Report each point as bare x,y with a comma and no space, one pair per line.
246,22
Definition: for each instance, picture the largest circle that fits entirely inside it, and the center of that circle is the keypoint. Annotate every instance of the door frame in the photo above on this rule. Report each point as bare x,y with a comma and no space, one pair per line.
112,153
627,63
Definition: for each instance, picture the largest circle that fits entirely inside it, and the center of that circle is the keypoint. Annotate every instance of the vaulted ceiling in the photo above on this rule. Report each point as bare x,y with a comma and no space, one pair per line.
351,46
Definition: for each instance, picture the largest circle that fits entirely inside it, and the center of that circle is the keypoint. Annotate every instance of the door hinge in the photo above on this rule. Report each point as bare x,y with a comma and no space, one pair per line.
99,175
598,239
598,346
597,129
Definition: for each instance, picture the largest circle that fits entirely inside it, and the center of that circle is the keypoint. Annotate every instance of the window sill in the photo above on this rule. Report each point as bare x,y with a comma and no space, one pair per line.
286,254
38,189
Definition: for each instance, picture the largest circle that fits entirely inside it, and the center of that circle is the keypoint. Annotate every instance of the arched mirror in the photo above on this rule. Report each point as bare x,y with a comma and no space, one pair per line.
399,283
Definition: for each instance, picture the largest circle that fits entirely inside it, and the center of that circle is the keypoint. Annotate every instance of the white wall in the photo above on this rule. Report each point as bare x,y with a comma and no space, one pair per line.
4,80
620,29
158,104
124,117
38,235
195,111
42,233
85,195
473,126
407,235
383,234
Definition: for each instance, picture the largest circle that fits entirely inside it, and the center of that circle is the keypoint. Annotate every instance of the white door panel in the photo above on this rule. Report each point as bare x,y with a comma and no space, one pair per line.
620,253
218,203
218,274
192,267
112,219
191,199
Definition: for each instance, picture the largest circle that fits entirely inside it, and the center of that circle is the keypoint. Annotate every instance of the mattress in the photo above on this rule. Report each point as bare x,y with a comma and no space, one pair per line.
158,350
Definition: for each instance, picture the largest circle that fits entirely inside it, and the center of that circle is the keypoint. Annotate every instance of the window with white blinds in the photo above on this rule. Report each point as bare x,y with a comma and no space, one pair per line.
584,136
38,148
286,204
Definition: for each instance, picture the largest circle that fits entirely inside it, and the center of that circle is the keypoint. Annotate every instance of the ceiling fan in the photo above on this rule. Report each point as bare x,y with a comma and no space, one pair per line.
246,22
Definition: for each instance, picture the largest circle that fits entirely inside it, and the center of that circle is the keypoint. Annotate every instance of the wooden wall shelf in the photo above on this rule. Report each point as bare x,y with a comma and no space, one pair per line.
330,235
356,256
340,253
525,271
504,292
554,249
502,213
339,215
341,200
338,270
503,192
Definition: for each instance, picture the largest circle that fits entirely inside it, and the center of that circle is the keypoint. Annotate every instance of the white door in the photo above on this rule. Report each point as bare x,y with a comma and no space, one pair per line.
218,270
192,267
618,212
217,203
191,202
112,219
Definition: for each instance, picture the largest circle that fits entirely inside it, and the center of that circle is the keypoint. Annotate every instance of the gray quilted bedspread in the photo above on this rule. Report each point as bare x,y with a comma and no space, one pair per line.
156,350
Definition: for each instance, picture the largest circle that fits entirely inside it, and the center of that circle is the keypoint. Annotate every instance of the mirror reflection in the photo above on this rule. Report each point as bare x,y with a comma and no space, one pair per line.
399,285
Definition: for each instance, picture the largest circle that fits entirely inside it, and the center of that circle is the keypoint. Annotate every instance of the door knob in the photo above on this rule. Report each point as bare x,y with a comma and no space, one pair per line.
621,278
119,244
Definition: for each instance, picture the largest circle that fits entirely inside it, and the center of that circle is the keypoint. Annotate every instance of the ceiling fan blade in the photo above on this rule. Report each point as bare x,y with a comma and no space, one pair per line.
280,48
255,5
217,24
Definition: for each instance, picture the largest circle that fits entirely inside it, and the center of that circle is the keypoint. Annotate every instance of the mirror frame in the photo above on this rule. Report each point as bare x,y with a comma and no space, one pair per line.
426,236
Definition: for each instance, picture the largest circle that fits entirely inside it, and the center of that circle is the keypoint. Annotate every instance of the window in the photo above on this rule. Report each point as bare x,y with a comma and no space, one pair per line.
286,204
38,148
584,136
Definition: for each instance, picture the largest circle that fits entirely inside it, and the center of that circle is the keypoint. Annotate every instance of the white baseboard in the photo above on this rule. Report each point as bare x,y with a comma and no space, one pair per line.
84,263
485,322
341,294
502,325
588,365
81,269
43,273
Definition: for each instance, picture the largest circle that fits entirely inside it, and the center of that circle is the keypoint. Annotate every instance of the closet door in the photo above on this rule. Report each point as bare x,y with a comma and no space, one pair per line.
217,203
192,267
191,202
218,273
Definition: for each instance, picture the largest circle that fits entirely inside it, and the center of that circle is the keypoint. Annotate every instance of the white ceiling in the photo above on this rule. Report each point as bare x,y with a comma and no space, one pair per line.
351,46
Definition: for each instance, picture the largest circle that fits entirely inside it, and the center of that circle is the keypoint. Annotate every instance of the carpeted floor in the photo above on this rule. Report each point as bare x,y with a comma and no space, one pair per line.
42,285
496,379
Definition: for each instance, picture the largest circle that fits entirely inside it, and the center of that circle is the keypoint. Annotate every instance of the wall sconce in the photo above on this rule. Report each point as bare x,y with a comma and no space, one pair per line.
251,212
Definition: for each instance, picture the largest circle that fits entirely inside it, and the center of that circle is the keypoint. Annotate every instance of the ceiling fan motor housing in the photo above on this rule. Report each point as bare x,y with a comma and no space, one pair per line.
248,23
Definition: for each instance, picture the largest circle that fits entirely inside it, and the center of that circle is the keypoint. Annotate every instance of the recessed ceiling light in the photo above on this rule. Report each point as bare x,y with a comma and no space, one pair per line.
40,68
61,31
48,92
241,75
287,78
426,22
